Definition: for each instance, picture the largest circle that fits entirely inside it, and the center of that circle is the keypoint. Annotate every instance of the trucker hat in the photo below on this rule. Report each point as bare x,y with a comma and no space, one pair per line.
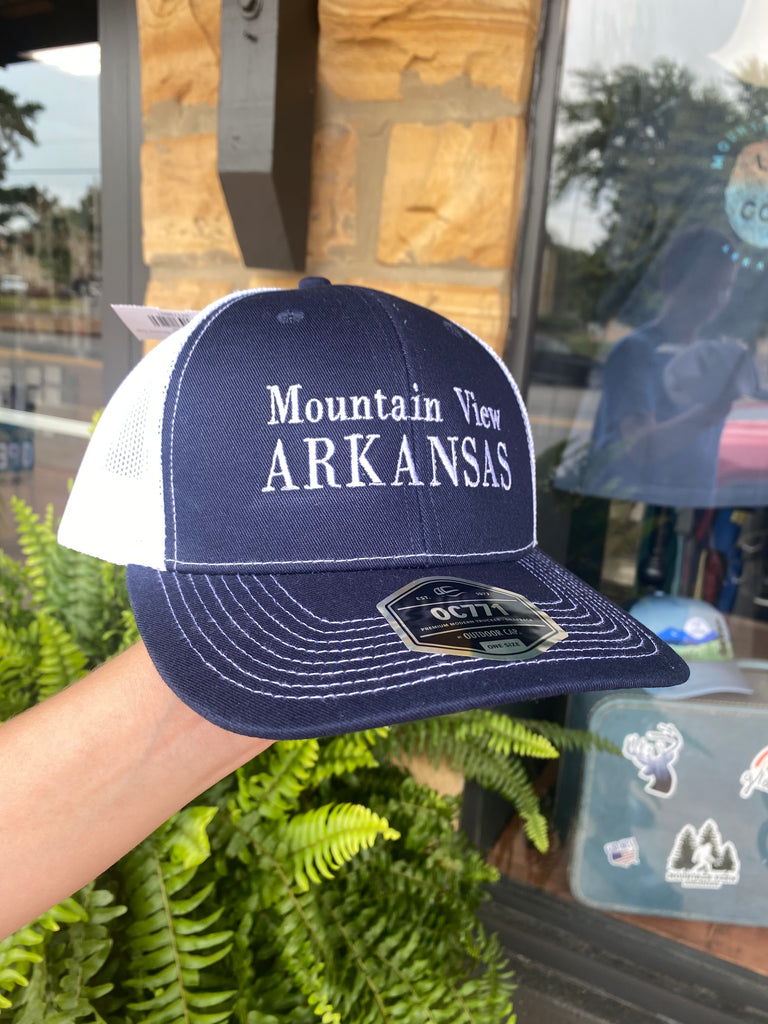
699,633
325,499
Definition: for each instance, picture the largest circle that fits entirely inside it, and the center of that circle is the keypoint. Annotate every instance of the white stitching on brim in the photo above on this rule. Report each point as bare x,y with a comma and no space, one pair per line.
343,623
338,658
644,646
371,632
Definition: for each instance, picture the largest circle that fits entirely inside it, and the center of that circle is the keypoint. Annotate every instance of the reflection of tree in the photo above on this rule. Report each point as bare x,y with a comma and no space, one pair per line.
15,127
63,242
51,238
639,142
87,220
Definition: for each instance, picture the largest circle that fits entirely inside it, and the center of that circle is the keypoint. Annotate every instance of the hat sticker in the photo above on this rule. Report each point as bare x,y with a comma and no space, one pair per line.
446,615
756,776
622,853
654,755
701,860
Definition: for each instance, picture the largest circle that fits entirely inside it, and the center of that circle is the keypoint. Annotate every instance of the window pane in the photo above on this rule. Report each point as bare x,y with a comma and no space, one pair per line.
50,275
649,405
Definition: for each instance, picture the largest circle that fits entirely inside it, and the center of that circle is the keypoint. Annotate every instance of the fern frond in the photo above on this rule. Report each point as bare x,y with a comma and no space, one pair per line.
23,949
424,816
342,755
77,592
273,792
324,839
37,541
12,590
126,632
443,739
61,660
485,747
17,954
168,948
384,964
571,739
486,996
506,735
86,595
76,957
19,655
300,935
305,949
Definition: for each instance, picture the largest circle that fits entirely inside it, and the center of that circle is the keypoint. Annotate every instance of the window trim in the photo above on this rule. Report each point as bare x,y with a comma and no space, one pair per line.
545,89
124,273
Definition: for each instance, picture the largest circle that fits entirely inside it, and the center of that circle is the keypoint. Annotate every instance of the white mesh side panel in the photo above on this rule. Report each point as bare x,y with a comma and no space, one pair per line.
116,509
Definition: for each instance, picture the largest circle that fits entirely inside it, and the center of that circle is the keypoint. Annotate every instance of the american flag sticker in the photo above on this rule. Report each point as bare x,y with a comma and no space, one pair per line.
622,853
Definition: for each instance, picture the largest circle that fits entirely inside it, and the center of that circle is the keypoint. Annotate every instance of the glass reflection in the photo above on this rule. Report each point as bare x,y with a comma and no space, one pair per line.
648,398
668,388
50,278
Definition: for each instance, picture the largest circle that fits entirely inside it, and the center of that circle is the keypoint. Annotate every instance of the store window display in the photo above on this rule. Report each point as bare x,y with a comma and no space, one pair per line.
653,464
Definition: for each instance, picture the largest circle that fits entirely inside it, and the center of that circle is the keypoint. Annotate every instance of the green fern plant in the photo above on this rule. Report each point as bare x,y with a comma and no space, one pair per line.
320,882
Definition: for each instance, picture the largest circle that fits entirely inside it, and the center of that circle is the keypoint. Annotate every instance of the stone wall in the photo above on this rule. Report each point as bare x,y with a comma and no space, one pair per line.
418,159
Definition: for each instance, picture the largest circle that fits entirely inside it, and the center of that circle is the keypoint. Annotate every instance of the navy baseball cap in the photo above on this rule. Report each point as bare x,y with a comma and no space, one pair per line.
325,499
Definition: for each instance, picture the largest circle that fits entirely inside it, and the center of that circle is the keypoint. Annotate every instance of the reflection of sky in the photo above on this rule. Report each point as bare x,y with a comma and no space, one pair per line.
66,160
605,34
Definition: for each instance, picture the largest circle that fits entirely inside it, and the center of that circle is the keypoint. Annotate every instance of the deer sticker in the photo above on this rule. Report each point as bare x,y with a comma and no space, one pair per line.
654,755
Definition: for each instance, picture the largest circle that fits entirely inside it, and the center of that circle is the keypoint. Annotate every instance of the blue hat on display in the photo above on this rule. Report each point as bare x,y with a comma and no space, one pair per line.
700,635
325,499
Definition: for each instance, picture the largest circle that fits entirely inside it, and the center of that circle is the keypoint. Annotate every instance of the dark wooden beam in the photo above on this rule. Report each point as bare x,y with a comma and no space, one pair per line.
266,122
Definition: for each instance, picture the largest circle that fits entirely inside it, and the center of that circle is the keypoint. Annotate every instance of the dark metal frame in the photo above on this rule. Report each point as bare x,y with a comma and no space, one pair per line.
541,129
123,269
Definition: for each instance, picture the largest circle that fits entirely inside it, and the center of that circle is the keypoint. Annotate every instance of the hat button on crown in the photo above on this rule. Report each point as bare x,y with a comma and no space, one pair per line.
313,282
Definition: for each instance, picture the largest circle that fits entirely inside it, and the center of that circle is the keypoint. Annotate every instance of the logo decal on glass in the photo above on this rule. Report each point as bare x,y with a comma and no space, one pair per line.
622,853
741,157
756,776
701,860
655,754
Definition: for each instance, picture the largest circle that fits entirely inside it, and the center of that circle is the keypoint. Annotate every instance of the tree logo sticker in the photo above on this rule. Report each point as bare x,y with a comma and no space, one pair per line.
701,860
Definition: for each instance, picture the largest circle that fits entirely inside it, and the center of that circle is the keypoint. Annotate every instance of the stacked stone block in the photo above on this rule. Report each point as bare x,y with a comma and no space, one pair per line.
418,158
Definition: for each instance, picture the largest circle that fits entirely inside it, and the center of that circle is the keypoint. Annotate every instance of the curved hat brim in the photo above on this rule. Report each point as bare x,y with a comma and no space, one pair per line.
308,654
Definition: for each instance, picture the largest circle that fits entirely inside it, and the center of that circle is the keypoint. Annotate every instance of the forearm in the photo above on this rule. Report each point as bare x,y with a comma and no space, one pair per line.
89,773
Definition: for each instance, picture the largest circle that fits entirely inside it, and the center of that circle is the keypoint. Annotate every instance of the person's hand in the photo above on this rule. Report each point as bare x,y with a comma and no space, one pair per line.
89,773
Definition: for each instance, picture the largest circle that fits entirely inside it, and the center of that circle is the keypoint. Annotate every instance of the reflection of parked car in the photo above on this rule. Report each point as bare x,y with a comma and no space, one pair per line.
555,362
86,286
13,284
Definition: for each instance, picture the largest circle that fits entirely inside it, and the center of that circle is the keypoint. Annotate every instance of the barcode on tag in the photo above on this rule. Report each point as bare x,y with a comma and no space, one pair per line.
172,320
150,323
